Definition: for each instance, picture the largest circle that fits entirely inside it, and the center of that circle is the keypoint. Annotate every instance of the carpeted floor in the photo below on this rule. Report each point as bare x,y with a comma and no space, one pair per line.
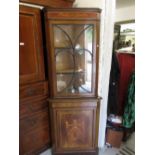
127,148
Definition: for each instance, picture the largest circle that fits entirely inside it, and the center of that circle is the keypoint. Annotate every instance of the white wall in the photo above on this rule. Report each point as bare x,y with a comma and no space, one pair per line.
125,14
89,3
106,38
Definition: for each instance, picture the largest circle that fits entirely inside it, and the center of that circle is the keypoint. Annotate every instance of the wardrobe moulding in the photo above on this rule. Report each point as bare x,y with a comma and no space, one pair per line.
51,3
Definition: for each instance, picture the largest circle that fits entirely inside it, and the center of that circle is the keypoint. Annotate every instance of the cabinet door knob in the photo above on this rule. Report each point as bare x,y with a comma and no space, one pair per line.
21,43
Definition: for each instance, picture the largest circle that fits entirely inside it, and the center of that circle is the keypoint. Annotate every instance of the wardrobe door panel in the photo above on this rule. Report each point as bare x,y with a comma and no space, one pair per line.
30,47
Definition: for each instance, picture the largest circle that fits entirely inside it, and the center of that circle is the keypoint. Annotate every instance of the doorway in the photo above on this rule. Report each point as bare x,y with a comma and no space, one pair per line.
121,103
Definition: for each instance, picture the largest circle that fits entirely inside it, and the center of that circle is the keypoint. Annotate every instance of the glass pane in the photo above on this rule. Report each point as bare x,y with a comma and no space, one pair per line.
74,58
85,38
64,83
63,35
64,69
64,60
84,60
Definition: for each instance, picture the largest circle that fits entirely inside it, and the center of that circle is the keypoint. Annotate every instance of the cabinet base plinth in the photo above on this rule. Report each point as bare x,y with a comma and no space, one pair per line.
76,153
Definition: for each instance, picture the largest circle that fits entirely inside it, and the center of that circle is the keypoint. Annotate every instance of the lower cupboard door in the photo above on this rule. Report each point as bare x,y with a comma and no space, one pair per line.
75,129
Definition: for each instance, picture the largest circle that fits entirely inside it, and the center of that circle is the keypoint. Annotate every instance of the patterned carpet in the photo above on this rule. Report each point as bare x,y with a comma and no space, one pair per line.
126,151
129,147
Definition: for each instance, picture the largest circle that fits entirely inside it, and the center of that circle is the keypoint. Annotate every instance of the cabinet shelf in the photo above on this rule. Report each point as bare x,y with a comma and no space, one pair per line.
63,48
70,71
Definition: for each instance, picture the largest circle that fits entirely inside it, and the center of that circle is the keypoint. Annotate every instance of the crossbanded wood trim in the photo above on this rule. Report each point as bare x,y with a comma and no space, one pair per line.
72,13
75,15
61,105
73,9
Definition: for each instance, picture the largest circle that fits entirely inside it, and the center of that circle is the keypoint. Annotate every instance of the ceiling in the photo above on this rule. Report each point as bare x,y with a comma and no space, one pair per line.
124,3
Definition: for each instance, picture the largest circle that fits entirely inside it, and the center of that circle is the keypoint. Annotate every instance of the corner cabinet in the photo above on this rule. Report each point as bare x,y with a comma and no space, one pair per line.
72,38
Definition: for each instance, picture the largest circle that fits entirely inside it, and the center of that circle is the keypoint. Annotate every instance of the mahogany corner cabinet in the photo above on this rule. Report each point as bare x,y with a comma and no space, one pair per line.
72,39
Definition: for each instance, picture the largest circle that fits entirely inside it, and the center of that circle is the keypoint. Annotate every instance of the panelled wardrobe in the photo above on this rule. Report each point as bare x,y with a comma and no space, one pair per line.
58,67
33,106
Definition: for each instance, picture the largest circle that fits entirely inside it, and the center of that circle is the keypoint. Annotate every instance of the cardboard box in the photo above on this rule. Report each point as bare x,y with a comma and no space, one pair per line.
114,137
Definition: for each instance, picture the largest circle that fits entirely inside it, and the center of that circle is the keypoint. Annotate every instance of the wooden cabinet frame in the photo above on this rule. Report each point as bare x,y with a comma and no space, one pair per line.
74,116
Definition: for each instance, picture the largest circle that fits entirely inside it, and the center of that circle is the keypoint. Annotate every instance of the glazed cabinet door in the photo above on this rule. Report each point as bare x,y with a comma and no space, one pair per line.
72,55
31,65
73,50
